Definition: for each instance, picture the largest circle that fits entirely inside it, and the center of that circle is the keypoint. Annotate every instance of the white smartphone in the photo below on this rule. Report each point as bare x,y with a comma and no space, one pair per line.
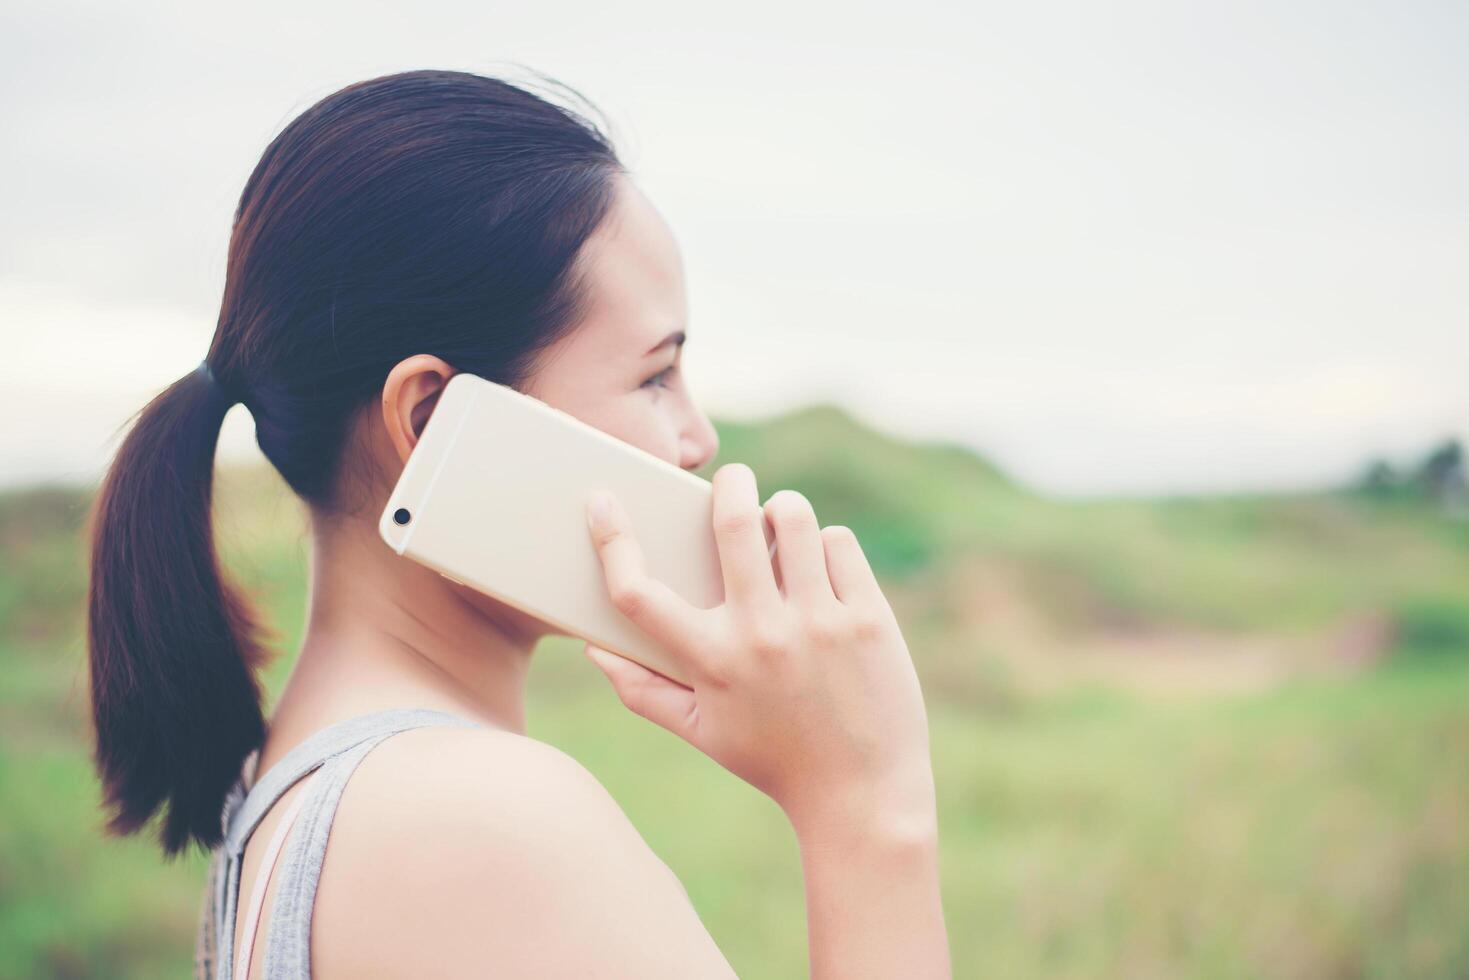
494,497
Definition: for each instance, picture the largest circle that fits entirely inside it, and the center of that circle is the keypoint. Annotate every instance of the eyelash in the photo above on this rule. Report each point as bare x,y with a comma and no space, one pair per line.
654,381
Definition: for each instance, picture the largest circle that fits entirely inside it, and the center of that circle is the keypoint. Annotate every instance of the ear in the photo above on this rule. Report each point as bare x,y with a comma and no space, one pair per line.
409,395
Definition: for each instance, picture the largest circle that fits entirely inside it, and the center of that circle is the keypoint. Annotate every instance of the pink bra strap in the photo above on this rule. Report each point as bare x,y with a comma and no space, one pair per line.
262,881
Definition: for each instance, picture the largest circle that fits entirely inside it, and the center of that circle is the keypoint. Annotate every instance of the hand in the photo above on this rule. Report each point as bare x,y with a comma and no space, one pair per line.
802,687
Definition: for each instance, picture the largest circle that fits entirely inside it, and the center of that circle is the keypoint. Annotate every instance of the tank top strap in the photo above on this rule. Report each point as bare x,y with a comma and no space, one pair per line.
335,751
314,750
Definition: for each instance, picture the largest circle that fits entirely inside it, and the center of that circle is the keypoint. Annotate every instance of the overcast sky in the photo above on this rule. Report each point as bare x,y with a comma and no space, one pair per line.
1121,247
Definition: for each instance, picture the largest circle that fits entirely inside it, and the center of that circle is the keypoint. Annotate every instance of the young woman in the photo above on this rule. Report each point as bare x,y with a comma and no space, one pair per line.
403,229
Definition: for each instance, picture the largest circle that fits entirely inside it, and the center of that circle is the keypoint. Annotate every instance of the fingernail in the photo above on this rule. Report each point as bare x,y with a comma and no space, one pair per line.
598,510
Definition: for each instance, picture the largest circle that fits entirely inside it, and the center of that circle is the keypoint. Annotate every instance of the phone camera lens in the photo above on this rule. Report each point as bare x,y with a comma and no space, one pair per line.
401,515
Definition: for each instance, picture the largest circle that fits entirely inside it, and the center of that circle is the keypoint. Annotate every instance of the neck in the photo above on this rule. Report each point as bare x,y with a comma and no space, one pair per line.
383,631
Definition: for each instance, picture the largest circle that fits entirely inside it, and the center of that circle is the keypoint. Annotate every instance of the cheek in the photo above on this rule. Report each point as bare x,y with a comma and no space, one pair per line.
639,418
645,422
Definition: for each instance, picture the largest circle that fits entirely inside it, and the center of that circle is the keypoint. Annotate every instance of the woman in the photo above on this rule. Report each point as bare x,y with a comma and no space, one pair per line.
401,230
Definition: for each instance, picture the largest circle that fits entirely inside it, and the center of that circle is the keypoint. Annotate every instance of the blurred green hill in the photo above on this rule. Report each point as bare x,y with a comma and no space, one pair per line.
1191,591
1183,737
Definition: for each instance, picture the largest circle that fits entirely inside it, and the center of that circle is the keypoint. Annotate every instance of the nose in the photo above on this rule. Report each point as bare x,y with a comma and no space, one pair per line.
700,442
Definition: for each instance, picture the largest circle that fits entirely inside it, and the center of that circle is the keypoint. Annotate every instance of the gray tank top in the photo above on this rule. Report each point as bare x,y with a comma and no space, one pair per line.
328,757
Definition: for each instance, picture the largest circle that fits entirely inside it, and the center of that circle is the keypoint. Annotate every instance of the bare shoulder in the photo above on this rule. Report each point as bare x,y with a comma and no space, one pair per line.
472,851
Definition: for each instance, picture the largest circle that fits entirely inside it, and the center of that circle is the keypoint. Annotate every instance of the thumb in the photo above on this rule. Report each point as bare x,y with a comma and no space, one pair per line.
648,694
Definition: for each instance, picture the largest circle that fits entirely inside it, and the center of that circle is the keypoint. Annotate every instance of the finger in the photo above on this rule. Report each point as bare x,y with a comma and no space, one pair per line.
648,694
744,552
649,603
847,567
800,552
774,553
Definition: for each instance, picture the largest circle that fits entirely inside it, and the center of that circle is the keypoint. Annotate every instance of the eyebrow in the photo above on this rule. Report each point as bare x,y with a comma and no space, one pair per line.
676,339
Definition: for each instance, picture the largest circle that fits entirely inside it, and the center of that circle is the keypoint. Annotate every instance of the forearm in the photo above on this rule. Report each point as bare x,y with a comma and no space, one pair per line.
873,907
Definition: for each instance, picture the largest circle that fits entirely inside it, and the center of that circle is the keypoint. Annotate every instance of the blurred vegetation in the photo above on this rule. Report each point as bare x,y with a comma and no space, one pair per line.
1185,737
1437,479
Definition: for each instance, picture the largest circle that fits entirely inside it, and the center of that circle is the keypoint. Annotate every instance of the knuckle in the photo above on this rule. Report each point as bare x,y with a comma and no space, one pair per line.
768,643
869,626
792,510
825,628
735,521
630,598
633,698
720,671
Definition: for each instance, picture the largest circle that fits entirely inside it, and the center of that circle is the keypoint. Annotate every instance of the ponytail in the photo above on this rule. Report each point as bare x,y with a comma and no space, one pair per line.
434,212
172,647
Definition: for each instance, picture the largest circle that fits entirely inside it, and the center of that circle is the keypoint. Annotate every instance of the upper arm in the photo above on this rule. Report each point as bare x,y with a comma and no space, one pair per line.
474,852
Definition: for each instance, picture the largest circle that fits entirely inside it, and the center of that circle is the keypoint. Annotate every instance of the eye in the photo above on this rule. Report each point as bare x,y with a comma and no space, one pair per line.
657,380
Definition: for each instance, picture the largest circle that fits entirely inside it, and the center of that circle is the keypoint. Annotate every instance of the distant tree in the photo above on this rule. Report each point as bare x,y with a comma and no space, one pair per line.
1441,475
1379,479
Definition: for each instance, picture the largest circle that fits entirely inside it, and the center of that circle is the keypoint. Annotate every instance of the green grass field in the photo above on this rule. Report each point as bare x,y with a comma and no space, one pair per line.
1173,738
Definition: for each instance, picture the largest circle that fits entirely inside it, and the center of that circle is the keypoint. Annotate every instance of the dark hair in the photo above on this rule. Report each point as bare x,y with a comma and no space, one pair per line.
436,212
